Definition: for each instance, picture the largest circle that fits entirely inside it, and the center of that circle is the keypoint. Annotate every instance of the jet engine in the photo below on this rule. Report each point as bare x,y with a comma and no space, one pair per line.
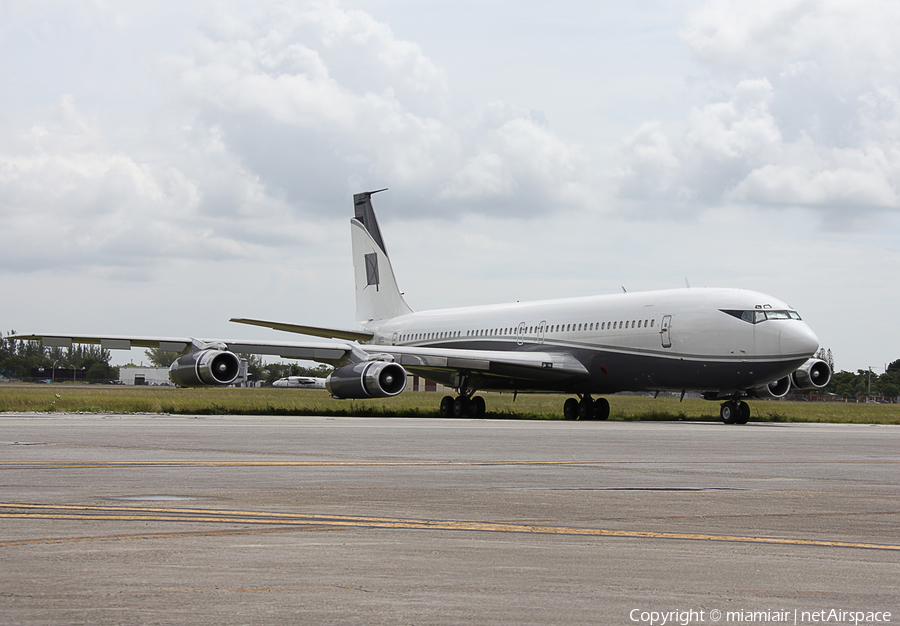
205,367
775,389
814,374
369,379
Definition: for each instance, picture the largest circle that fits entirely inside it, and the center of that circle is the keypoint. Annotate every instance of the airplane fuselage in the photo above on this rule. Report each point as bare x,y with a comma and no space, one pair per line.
643,341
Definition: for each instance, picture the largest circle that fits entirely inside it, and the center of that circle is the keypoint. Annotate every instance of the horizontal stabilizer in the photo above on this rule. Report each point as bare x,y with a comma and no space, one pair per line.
314,331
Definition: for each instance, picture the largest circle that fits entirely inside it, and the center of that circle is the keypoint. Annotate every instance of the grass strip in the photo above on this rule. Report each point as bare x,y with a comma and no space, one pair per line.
83,398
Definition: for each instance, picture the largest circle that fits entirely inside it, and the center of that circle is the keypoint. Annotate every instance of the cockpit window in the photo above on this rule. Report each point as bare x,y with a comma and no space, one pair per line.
755,316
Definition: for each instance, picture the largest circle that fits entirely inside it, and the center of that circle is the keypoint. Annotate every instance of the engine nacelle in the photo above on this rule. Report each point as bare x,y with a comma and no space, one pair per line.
369,379
776,389
205,367
814,374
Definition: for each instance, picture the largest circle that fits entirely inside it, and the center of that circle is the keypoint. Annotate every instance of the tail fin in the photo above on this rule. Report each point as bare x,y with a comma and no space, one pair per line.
377,294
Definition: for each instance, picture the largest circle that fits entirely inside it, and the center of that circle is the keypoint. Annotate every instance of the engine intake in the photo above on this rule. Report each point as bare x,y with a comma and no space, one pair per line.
775,389
205,367
369,379
814,374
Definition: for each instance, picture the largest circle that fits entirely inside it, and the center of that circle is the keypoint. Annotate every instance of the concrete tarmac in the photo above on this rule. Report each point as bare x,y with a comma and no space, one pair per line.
140,519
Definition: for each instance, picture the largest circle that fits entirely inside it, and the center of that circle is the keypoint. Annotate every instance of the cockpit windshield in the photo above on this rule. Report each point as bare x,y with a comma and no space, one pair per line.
756,316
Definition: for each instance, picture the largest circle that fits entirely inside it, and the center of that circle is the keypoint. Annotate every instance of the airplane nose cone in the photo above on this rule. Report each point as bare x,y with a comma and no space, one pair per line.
798,338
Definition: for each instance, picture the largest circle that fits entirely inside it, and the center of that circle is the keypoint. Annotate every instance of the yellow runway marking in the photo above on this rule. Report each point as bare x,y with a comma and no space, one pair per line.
124,537
118,513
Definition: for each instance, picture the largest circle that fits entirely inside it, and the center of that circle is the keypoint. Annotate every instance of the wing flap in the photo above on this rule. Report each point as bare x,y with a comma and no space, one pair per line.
521,365
324,352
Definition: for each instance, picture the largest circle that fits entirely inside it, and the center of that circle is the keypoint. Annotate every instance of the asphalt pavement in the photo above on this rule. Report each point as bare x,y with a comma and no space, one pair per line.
143,519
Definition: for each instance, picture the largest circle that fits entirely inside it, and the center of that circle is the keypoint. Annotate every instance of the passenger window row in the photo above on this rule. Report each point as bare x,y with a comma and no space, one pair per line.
532,330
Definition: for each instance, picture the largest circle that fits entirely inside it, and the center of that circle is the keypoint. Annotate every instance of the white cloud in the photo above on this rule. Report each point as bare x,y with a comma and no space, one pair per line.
322,81
75,200
826,40
517,157
810,129
719,145
333,79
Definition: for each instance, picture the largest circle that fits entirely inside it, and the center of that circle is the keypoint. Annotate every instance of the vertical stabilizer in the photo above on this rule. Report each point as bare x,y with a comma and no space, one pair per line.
377,294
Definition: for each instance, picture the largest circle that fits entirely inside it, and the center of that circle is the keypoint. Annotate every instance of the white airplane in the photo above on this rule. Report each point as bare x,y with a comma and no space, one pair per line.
300,382
729,344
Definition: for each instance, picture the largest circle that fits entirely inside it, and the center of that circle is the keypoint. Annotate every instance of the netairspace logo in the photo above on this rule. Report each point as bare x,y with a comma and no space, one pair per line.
844,617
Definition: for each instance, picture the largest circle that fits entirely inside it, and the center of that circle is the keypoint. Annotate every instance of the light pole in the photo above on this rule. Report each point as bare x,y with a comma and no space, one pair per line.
53,371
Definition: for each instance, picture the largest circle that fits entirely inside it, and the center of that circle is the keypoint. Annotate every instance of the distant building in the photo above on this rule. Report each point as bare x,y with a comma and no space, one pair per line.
414,383
144,376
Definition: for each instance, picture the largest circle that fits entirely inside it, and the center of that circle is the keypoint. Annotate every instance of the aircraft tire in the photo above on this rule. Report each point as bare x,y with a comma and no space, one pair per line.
601,409
460,407
447,406
743,413
586,409
570,409
477,407
729,413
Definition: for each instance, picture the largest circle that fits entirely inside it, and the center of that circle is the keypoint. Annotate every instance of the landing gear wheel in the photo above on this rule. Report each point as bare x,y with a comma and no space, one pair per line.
601,409
570,409
729,412
447,406
477,407
586,408
460,407
743,413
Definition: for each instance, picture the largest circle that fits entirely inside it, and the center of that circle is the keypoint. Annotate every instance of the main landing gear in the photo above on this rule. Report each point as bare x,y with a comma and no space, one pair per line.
586,409
460,406
467,404
463,405
734,412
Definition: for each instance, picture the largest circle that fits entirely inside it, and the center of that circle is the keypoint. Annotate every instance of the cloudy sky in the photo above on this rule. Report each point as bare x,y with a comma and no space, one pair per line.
165,165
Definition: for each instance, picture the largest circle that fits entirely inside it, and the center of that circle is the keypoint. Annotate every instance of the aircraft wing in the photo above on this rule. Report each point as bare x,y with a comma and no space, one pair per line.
490,363
333,353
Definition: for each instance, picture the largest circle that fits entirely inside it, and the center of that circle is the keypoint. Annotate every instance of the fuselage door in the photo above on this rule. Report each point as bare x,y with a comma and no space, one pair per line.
664,335
520,333
542,329
394,339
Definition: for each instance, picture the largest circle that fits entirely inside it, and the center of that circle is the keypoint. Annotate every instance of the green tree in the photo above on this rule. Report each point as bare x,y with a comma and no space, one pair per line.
825,355
889,386
255,367
844,384
18,358
98,372
161,358
274,371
